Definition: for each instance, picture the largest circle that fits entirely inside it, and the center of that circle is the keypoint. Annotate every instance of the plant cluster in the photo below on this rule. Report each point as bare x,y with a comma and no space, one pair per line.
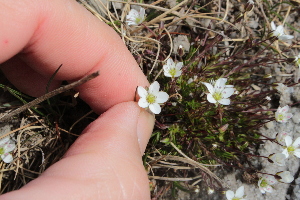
210,99
216,123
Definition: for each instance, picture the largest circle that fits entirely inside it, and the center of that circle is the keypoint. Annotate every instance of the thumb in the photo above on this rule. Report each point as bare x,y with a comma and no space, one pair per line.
104,163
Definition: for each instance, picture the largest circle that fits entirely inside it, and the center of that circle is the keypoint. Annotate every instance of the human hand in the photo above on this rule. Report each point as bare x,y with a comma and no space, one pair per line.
105,161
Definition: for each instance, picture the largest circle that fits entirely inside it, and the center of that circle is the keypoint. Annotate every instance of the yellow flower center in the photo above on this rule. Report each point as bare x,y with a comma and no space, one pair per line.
263,183
235,198
151,98
298,61
280,117
291,149
1,151
217,96
172,72
138,20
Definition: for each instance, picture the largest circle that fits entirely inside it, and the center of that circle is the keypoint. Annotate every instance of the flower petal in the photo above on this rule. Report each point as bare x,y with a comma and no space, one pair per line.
286,177
154,88
285,37
239,192
142,12
143,103
278,159
288,116
288,140
262,190
227,92
7,158
209,87
155,108
178,73
280,29
273,26
220,83
225,102
296,143
9,147
297,153
285,109
162,97
286,153
170,62
142,92
268,189
167,74
270,179
210,98
229,194
4,140
179,65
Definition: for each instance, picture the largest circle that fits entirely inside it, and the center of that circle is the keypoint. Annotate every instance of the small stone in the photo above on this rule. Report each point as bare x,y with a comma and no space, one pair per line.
270,125
296,118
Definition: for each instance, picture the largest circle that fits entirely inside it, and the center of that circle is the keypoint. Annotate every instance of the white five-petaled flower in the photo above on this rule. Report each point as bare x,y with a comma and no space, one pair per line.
135,17
297,60
6,146
152,98
171,69
239,194
280,137
279,32
219,92
292,148
286,177
265,183
282,115
278,159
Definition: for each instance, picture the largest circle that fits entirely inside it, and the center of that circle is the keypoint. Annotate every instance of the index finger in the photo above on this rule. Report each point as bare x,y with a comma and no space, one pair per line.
49,33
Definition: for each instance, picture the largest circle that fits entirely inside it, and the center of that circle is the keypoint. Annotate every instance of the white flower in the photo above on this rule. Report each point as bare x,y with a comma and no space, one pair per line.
171,69
152,98
265,183
286,176
6,146
297,60
281,137
279,32
278,159
219,92
292,148
282,115
134,17
239,194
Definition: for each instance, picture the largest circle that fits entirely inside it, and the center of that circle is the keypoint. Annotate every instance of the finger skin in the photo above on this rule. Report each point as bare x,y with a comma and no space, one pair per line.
99,165
46,34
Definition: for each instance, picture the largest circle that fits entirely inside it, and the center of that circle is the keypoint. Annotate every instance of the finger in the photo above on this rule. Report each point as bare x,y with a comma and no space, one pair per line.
31,80
104,163
50,33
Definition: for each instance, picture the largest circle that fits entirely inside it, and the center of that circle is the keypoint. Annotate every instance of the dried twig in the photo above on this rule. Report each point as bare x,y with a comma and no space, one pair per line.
49,95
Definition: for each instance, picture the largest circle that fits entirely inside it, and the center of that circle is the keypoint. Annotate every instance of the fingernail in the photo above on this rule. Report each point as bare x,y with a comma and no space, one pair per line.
144,128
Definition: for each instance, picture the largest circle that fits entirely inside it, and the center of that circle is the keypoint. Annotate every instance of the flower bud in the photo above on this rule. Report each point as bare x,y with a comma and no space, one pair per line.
239,17
249,6
180,51
267,76
223,128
